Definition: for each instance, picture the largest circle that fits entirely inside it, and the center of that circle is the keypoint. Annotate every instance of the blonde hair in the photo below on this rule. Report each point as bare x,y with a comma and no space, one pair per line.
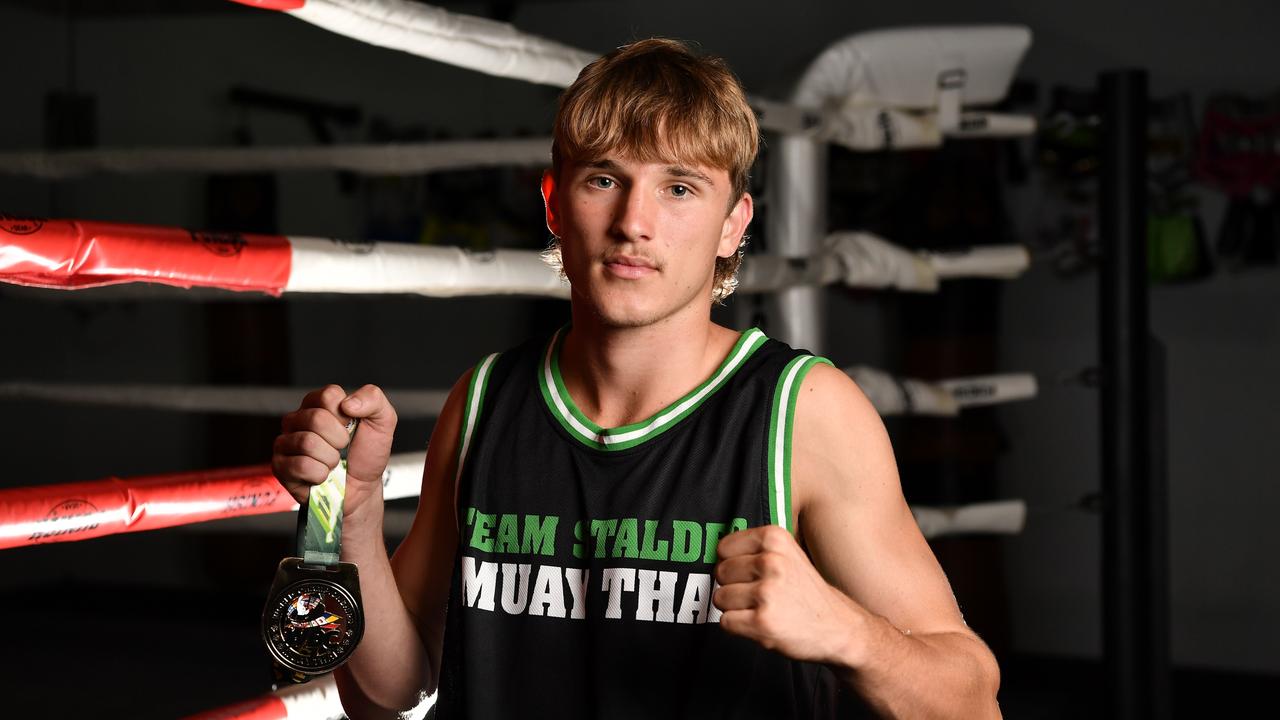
657,100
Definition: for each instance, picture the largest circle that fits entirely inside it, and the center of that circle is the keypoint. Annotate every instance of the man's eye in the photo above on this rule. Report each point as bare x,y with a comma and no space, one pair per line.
603,183
679,190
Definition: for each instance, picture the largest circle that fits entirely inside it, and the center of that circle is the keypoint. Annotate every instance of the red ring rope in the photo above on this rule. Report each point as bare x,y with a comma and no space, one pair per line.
83,510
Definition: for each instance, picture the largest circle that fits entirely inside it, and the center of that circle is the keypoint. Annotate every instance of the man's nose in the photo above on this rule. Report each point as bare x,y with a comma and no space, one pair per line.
634,215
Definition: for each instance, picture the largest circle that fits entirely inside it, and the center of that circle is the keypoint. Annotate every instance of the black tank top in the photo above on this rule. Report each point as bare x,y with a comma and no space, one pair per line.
583,579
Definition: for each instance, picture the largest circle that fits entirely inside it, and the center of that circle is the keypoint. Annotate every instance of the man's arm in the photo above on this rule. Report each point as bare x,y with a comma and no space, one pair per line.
869,597
404,597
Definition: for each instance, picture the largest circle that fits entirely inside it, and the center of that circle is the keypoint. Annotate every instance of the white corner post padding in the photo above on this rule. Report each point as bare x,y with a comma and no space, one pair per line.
910,87
917,68
863,87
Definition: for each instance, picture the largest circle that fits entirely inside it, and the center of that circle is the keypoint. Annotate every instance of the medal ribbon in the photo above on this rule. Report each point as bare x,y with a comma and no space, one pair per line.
320,519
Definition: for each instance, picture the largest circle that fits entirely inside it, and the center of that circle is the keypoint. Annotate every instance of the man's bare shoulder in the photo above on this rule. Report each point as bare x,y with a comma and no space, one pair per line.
841,449
828,389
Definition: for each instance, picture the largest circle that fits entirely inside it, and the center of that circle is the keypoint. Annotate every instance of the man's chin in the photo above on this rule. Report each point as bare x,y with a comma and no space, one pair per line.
628,307
623,318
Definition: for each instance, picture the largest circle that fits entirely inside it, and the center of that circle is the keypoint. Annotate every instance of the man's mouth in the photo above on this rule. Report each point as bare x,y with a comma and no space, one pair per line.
630,266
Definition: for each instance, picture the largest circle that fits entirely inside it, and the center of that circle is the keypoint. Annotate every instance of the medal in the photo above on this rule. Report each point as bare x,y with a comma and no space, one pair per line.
313,621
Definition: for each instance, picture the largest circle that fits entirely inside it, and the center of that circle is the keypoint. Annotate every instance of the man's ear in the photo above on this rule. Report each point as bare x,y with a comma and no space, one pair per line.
735,226
550,200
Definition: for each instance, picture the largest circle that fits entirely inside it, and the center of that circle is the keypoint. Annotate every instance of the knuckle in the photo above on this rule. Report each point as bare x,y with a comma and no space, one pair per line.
307,443
380,399
299,467
766,624
310,443
773,534
332,394
765,590
721,550
772,564
729,623
311,418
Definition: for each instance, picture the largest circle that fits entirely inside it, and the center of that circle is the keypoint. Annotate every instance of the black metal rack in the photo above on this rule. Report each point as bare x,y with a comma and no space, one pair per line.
1135,561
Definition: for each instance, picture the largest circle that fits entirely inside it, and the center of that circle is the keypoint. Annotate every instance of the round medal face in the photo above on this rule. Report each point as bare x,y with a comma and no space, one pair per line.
312,626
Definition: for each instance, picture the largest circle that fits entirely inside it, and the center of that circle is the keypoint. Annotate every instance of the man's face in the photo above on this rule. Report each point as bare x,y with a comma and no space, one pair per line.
639,239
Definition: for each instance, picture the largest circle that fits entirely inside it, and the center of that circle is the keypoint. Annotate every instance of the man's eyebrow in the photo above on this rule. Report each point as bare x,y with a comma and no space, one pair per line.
684,172
679,171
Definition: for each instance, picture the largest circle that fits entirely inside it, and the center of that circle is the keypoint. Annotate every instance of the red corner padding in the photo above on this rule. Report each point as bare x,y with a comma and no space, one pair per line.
83,510
273,4
78,254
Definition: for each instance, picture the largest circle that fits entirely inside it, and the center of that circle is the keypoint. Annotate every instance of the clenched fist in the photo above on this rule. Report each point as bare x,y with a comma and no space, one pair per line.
771,593
311,437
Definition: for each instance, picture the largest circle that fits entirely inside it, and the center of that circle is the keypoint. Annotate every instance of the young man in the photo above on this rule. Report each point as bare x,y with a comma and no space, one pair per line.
646,515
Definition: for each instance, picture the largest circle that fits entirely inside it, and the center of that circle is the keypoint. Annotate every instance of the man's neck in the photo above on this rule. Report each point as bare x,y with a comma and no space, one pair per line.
618,376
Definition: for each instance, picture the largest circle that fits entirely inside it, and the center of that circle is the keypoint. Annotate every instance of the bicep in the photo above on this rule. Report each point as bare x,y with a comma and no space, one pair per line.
854,520
423,563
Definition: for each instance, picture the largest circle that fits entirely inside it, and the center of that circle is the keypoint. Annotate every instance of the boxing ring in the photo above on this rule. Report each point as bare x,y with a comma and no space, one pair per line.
885,90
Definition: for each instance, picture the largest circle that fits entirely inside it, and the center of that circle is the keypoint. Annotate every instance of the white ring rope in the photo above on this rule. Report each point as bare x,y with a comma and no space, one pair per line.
321,265
237,400
391,159
475,43
889,395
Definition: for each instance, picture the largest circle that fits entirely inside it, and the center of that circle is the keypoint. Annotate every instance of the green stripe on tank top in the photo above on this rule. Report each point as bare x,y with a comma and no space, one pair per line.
471,410
582,429
781,426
